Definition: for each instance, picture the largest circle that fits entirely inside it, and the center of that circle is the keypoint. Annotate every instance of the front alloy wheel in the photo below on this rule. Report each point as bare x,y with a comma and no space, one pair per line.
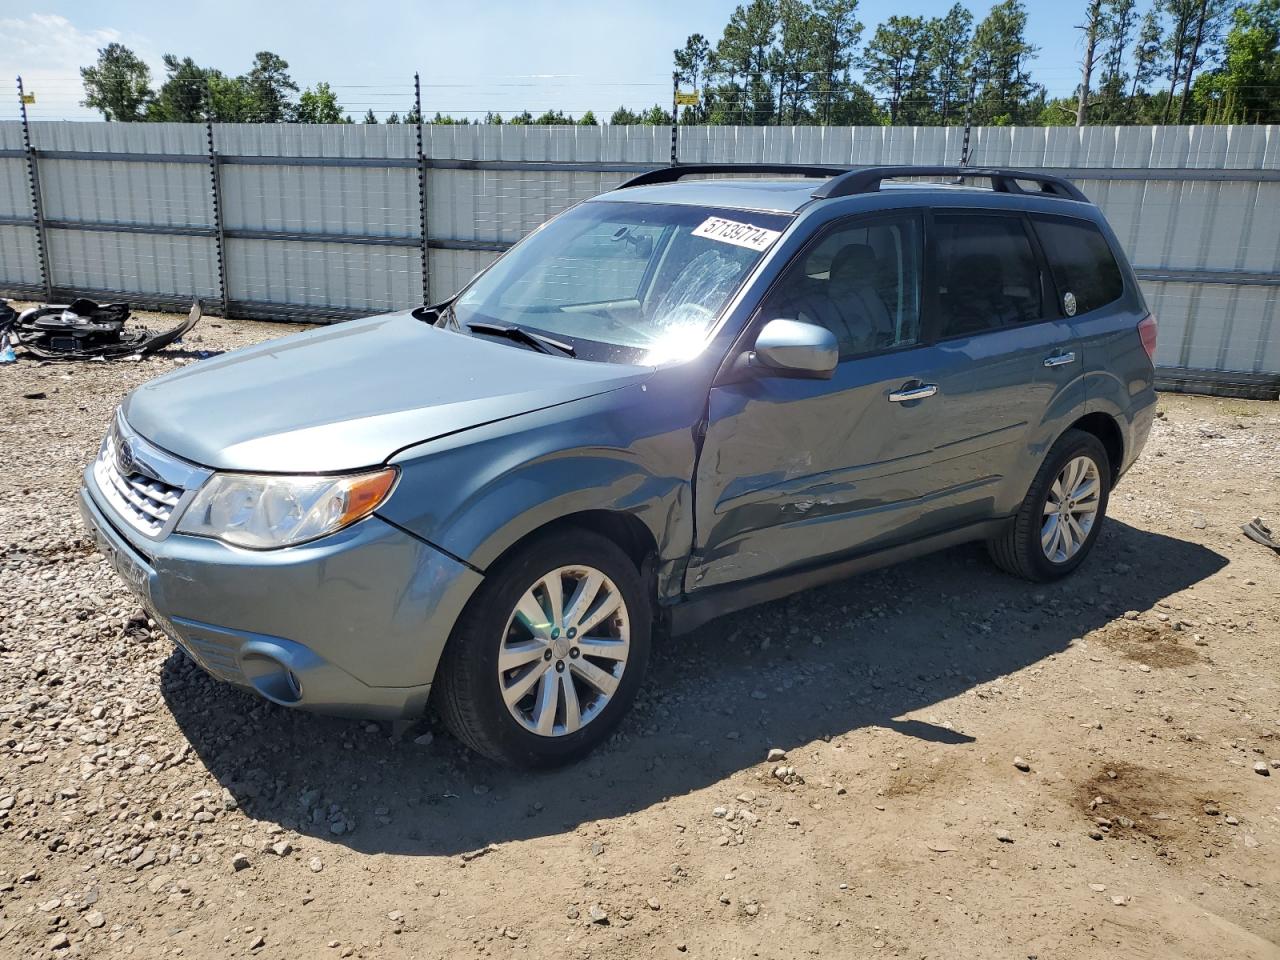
564,651
549,653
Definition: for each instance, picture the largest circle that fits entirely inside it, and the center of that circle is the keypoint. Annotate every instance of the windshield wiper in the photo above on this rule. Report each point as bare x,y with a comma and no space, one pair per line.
519,334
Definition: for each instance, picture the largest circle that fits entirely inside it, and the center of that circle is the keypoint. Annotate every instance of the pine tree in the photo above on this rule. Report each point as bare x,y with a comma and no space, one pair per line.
118,85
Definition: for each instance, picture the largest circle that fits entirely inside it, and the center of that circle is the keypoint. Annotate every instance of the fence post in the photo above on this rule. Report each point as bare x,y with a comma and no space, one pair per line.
220,236
675,96
968,116
37,206
422,191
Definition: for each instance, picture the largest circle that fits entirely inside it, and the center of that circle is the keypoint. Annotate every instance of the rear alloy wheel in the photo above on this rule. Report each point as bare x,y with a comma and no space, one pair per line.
1070,509
549,653
1061,515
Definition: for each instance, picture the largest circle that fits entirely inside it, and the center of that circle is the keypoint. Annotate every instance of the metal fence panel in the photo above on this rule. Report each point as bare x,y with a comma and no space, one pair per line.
124,264
19,265
347,277
323,221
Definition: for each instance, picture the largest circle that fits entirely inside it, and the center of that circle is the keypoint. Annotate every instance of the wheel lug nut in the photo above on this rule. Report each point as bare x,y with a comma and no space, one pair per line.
574,653
559,666
547,655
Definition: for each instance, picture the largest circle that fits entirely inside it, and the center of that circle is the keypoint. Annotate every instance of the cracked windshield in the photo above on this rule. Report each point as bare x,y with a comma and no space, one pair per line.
645,282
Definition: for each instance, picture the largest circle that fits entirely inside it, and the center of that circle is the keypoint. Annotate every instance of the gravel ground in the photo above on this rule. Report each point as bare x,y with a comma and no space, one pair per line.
974,766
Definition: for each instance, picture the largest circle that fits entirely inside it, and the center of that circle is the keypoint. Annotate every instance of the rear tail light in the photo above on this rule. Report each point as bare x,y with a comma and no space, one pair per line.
1147,330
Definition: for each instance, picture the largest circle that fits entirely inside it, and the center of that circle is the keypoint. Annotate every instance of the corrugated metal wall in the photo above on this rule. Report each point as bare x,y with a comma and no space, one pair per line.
324,221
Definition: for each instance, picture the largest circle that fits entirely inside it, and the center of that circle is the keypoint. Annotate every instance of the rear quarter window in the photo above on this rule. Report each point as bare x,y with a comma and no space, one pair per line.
1084,269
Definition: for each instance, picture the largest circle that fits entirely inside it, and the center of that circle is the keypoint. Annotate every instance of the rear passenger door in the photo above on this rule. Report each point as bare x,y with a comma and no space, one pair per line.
1089,288
1008,365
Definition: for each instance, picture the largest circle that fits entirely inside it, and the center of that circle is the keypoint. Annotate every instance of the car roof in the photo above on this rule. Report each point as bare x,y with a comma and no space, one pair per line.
779,194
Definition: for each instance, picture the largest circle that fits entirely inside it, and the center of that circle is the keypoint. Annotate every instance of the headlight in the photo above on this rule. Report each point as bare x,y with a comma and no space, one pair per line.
263,511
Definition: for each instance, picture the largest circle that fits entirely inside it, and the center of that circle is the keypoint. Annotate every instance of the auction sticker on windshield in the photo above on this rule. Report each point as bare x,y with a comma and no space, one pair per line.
739,234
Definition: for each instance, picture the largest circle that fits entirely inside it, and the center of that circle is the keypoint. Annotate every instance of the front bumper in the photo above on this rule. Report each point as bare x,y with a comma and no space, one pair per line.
352,624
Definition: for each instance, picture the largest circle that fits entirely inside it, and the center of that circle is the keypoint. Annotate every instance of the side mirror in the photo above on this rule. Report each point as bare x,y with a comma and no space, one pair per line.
790,348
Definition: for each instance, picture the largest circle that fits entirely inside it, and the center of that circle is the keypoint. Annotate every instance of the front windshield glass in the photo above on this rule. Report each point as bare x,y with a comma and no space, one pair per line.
637,281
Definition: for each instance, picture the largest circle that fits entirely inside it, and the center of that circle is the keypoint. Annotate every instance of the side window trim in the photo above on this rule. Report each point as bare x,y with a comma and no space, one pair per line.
932,272
820,235
1050,303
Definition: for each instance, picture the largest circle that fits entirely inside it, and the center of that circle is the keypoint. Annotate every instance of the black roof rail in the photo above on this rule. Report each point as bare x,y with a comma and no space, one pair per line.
867,180
678,172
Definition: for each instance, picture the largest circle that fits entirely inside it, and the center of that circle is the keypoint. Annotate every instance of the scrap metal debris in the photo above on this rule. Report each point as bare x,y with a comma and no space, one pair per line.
1259,532
84,330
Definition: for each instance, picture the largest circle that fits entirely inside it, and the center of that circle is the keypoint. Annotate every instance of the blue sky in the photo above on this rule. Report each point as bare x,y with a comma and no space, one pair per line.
500,55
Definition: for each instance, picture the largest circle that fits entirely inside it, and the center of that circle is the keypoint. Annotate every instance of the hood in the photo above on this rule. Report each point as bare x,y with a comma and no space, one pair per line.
352,394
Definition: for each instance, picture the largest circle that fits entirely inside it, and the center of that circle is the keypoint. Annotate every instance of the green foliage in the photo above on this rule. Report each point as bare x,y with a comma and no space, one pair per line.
1245,87
119,84
656,116
448,120
803,61
692,63
318,104
553,118
270,89
896,64
1000,52
370,116
184,96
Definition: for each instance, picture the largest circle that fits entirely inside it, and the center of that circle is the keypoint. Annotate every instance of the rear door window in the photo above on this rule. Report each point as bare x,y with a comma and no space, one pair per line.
987,273
1084,269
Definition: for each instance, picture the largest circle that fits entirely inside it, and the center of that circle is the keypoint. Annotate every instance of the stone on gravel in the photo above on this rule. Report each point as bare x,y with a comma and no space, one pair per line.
1021,764
598,914
776,754
240,862
1261,769
95,919
316,864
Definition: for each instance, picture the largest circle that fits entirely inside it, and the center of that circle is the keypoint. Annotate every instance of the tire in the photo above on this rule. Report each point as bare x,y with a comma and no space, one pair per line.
1019,549
469,687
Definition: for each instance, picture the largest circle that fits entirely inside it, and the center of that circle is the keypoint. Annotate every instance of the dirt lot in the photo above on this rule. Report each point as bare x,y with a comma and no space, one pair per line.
1142,693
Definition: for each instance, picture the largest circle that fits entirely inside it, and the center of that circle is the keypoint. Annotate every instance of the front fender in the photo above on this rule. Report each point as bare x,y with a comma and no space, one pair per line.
477,493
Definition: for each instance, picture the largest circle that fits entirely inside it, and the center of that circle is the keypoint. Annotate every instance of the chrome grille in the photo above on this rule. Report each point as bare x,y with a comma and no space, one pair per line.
128,476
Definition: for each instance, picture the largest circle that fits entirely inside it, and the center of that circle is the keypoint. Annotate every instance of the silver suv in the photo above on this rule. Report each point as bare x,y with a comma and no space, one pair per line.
680,398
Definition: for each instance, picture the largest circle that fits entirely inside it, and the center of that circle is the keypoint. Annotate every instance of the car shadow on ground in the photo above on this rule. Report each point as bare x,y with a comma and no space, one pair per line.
820,664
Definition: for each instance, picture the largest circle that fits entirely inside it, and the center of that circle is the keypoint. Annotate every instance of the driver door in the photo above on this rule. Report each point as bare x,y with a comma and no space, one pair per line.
799,470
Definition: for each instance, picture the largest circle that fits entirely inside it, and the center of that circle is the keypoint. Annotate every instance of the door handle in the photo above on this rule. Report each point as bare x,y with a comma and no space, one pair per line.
1060,359
921,392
